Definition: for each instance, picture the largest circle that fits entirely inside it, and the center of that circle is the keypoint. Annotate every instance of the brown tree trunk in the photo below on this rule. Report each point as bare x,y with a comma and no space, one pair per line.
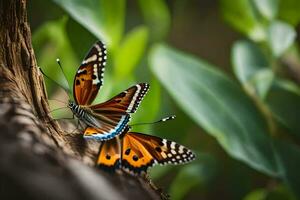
38,160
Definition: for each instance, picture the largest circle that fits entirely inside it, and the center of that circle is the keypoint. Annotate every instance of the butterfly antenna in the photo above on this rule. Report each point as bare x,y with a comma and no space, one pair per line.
158,121
59,85
62,70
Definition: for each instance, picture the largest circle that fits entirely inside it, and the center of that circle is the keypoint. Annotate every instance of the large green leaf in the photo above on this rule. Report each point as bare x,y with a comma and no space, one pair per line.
217,104
103,18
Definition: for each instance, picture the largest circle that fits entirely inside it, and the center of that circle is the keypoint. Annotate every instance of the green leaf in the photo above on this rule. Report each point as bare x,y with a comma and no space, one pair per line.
247,60
50,42
217,104
107,91
190,175
251,68
194,175
280,37
80,38
278,192
131,51
262,82
284,101
104,19
259,194
267,8
240,15
288,161
157,172
289,11
157,17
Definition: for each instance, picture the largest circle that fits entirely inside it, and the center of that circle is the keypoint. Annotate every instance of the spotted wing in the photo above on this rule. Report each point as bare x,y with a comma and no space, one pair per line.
125,102
109,155
89,76
112,124
140,151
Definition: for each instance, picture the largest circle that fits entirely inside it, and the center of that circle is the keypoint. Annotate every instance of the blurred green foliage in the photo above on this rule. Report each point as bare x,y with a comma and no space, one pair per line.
253,117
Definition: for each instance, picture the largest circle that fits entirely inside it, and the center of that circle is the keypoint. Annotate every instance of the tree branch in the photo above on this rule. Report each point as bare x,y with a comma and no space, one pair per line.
37,158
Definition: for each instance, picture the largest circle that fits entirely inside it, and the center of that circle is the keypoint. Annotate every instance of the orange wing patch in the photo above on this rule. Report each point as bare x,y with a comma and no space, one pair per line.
109,155
139,152
146,150
135,157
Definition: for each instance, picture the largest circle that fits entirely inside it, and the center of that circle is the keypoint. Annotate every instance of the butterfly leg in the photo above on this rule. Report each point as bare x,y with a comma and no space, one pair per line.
77,126
80,125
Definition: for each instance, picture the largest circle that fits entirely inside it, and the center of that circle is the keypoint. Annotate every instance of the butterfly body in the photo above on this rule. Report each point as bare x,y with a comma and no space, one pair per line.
108,119
84,114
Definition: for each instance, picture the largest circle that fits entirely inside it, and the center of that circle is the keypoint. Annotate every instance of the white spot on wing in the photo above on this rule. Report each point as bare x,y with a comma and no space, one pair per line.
95,72
164,141
163,154
80,70
173,152
173,145
98,47
181,149
133,101
90,59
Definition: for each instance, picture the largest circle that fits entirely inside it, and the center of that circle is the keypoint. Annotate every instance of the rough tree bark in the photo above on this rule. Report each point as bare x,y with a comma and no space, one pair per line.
37,158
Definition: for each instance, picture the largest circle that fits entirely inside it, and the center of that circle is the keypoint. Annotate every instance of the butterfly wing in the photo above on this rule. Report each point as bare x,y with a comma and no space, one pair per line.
140,151
114,113
89,76
109,155
125,102
111,126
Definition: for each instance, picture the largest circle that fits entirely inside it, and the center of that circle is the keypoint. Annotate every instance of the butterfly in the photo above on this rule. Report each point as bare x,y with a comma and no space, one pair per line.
105,120
137,152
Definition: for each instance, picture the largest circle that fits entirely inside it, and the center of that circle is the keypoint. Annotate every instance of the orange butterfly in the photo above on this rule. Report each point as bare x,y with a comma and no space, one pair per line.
105,120
136,152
